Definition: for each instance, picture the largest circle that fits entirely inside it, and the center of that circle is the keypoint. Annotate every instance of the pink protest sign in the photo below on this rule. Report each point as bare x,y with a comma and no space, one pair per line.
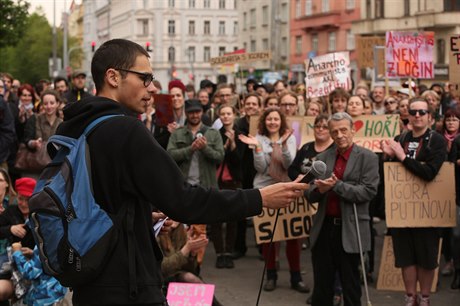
181,294
326,73
409,54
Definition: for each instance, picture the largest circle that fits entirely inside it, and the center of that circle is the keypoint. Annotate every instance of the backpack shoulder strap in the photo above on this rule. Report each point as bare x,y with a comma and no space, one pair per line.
96,122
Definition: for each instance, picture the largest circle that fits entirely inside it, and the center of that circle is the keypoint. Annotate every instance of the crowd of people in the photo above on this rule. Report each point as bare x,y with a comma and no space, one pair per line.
209,140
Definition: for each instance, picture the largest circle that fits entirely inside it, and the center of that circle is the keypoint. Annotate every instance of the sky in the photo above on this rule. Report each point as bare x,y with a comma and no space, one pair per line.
47,6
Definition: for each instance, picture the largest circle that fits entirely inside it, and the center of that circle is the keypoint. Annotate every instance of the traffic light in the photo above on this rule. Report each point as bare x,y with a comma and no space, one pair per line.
93,46
147,47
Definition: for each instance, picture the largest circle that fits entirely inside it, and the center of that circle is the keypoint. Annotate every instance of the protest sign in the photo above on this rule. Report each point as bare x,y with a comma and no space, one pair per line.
454,59
371,130
365,49
240,58
293,222
163,109
390,277
409,54
180,294
413,202
326,73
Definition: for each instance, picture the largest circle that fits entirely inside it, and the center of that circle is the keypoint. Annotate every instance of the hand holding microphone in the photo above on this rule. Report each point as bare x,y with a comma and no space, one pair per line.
318,169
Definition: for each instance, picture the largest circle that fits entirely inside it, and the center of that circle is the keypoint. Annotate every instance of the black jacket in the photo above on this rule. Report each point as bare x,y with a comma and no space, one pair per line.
7,130
129,167
13,216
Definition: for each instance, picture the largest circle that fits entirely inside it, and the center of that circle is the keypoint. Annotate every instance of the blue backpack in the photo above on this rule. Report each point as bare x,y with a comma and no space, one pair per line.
73,233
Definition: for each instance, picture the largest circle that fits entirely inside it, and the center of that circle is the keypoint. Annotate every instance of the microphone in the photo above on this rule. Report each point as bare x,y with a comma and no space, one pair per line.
318,168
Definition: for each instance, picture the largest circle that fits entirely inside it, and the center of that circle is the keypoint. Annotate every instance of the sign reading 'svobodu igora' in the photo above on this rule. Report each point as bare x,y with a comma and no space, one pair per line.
413,202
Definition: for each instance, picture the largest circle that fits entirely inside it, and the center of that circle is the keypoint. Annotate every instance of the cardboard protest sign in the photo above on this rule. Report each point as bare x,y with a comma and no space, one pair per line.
371,130
412,202
390,277
326,73
163,109
409,54
240,58
365,49
293,222
180,294
454,59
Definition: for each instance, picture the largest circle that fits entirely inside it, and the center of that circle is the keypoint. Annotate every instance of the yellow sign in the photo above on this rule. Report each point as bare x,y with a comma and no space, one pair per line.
241,58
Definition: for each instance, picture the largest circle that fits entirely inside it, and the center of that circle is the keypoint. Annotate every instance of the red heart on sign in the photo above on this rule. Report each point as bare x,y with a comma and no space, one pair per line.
358,125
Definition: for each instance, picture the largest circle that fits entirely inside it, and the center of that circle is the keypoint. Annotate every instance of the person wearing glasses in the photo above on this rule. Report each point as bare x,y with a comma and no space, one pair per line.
288,104
422,152
129,167
77,92
391,105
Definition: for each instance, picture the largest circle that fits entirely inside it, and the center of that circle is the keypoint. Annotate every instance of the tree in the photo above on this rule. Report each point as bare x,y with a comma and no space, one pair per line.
13,19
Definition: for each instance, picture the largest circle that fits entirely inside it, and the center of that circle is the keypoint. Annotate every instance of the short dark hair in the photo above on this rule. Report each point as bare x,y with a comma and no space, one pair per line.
60,79
115,53
422,99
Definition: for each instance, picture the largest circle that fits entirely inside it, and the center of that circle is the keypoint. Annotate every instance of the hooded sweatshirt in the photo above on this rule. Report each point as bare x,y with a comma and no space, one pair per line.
128,167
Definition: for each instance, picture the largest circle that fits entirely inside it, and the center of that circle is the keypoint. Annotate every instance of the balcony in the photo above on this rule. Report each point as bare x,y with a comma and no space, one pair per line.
320,21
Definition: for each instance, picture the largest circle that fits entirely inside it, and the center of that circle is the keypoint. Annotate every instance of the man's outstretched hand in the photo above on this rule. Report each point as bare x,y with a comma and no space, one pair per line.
282,194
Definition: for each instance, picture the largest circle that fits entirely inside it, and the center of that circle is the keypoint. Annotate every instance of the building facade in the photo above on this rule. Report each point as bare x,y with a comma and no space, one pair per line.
321,26
180,35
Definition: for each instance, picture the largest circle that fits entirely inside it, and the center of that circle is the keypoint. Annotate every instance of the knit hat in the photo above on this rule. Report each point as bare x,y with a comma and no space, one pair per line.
25,186
176,83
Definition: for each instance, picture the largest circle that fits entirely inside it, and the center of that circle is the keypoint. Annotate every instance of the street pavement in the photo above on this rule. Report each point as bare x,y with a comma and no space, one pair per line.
240,286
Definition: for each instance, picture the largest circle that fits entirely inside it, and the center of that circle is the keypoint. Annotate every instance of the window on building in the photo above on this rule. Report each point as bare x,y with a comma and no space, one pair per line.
440,51
451,5
171,54
191,3
406,7
221,51
325,6
221,27
245,46
350,5
350,40
332,41
265,44
245,21
368,9
171,27
308,7
284,12
298,45
252,17
207,3
221,4
206,54
145,4
298,9
143,27
171,3
314,42
235,4
264,15
379,5
283,49
235,28
191,27
207,27
191,54
253,46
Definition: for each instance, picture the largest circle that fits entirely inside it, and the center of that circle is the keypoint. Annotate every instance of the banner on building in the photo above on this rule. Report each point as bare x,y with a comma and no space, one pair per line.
241,58
293,222
413,202
409,54
326,73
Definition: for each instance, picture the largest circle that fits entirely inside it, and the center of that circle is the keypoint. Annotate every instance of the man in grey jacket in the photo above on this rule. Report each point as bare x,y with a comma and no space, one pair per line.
352,178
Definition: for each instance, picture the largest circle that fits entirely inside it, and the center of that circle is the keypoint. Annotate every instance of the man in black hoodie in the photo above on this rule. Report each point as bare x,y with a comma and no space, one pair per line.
129,167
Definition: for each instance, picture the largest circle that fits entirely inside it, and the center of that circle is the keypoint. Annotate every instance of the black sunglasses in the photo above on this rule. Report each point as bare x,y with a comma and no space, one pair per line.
421,112
146,77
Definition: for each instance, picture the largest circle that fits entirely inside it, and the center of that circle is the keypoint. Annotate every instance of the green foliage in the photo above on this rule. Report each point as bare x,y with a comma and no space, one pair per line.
13,16
28,60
